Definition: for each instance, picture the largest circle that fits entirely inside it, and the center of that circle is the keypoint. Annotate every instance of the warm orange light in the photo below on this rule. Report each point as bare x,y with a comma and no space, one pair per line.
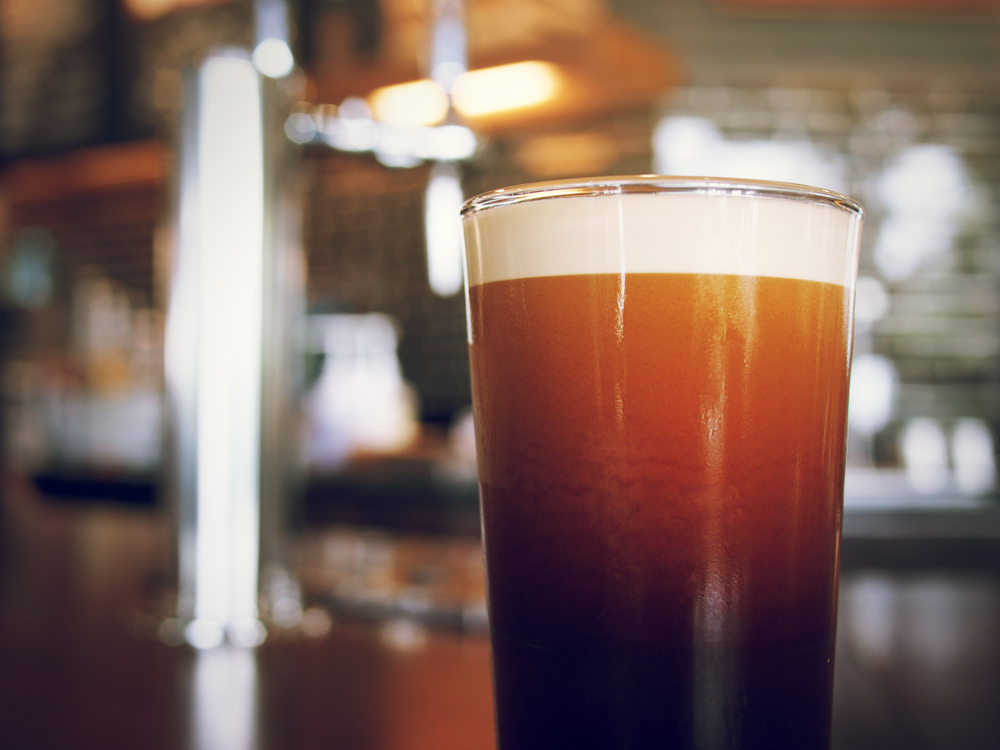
488,91
410,104
477,93
148,10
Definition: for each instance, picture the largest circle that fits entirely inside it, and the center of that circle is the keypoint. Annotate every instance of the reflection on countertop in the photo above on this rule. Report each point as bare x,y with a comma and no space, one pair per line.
918,654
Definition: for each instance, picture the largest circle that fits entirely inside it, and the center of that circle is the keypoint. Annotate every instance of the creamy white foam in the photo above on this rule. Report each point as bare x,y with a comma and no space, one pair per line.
671,232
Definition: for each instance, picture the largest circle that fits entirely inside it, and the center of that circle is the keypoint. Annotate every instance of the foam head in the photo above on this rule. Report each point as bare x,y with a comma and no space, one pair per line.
662,225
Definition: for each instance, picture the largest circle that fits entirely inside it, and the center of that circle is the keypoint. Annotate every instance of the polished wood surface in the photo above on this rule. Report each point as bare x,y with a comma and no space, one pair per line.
80,667
918,657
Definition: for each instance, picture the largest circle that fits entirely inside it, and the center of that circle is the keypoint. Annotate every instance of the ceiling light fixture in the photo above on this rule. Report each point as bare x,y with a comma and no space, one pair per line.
477,93
410,104
488,91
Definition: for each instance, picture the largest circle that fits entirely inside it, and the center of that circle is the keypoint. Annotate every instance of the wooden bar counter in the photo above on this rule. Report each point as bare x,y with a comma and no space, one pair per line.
918,656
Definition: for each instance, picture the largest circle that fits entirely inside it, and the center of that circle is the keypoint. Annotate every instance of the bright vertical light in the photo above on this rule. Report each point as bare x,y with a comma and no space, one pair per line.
444,229
873,390
925,454
225,683
230,244
272,56
972,456
449,57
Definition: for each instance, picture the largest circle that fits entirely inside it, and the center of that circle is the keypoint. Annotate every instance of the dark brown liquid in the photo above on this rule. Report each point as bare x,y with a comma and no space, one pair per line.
661,465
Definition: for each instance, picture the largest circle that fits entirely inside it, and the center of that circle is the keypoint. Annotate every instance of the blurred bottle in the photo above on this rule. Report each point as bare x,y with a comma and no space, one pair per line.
99,405
361,403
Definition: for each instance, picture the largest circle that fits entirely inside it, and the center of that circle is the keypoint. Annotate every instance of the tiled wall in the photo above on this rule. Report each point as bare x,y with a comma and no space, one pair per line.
942,327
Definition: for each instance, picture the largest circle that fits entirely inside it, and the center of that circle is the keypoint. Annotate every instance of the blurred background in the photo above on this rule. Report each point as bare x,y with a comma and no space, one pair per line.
371,121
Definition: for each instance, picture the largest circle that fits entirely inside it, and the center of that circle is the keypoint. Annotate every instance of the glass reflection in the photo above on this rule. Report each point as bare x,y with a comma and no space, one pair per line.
927,307
225,701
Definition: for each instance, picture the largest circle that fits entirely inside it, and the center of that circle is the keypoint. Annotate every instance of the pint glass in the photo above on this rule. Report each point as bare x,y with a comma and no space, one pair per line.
659,377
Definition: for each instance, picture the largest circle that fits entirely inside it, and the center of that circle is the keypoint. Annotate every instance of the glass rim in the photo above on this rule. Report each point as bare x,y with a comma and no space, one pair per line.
650,184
